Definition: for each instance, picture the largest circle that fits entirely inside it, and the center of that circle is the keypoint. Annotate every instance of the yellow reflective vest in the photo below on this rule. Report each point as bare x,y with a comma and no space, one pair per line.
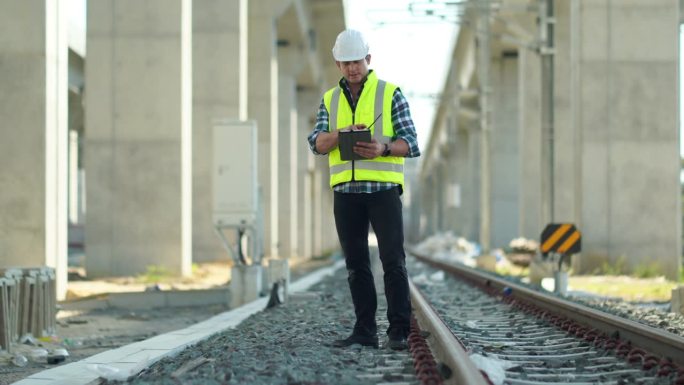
376,97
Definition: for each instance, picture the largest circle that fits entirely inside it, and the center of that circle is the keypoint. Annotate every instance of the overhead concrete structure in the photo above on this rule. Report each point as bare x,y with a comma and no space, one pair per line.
609,162
282,59
33,149
157,74
139,145
302,29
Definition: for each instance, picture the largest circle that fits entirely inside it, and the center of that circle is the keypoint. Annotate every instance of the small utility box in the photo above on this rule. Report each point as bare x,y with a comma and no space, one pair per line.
236,191
235,173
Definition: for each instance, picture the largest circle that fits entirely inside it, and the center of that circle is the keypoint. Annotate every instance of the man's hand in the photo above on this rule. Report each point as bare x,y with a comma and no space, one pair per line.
369,150
354,127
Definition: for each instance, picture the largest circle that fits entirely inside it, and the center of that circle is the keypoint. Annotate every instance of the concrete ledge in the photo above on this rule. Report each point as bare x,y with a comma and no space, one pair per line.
152,299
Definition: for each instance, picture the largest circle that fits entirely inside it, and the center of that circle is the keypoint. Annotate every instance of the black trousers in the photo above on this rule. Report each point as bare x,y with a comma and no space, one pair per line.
382,210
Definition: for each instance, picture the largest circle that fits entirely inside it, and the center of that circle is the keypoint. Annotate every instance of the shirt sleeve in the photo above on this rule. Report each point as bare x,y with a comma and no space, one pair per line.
403,124
322,125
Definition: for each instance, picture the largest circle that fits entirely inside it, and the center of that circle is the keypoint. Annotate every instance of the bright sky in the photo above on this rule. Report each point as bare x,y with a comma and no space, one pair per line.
412,53
77,18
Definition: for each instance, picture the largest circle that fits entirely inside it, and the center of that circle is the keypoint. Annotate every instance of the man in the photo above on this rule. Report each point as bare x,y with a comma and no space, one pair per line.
368,191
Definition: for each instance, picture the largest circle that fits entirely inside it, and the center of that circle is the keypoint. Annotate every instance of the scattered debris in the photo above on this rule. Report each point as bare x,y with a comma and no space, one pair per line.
274,300
77,321
190,365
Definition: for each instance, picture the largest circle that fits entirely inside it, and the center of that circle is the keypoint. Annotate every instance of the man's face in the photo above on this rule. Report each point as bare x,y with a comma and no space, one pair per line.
354,71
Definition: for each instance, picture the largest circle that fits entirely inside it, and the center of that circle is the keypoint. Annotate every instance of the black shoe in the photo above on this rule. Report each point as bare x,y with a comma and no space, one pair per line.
397,340
356,339
397,343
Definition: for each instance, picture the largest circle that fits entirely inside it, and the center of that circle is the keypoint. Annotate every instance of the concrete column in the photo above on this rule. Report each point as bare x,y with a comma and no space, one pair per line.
567,140
505,151
320,192
138,145
413,206
287,165
307,106
461,188
263,107
215,41
529,142
440,187
627,59
473,195
330,238
33,108
328,233
430,199
449,172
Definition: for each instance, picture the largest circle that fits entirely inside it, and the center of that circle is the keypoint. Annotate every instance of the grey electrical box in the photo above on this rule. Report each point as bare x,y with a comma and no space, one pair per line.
234,174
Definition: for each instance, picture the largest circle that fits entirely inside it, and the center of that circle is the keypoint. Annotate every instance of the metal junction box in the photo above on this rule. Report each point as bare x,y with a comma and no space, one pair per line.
234,174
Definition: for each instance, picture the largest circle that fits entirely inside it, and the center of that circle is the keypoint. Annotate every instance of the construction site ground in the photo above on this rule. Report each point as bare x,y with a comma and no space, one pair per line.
88,323
94,329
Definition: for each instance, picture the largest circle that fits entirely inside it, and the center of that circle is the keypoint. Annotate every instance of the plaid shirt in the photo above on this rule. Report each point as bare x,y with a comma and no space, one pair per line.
403,129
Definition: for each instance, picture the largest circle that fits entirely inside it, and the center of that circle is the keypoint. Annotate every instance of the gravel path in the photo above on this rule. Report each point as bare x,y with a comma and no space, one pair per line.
290,343
286,344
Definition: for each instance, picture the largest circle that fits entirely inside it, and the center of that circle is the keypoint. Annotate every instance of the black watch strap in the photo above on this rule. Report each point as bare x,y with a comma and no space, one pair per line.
387,150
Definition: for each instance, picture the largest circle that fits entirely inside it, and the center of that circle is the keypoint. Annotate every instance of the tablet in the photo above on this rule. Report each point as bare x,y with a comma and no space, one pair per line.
347,140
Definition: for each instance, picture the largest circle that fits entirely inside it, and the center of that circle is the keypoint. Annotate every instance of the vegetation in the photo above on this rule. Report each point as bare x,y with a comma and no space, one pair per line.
619,267
155,274
627,288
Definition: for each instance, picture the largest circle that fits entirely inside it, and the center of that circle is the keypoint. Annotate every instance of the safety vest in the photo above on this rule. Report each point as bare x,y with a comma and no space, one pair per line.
376,97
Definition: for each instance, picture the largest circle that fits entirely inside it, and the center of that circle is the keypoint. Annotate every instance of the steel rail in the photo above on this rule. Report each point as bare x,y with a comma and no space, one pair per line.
645,337
444,345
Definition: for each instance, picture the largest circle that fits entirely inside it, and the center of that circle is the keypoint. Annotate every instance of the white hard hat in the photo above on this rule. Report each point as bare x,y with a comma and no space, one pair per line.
350,45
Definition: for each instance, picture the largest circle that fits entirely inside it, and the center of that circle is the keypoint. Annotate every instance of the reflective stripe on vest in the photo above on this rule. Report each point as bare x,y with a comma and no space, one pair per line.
367,165
334,104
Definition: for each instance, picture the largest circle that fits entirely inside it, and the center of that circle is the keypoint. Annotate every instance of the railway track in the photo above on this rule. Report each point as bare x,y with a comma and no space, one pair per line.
472,329
527,337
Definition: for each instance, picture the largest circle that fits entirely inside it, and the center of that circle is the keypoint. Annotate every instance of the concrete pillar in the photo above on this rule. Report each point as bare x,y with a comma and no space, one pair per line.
505,151
567,132
287,165
138,145
320,190
626,106
442,186
465,226
449,173
33,149
328,233
263,107
459,188
215,41
431,203
413,205
473,195
529,139
307,106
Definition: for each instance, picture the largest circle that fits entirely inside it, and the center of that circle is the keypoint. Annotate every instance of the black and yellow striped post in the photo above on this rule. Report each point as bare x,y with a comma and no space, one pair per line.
561,238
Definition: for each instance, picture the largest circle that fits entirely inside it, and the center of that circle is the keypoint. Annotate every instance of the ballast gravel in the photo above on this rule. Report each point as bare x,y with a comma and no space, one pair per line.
290,343
286,344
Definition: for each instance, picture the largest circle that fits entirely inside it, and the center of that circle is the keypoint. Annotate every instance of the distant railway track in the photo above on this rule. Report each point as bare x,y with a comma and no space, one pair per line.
534,337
